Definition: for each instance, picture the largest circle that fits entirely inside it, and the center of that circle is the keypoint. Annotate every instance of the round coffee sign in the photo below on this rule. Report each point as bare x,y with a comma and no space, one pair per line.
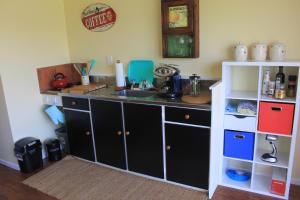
98,17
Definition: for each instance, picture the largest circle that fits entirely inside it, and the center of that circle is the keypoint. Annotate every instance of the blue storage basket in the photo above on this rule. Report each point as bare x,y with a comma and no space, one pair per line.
239,144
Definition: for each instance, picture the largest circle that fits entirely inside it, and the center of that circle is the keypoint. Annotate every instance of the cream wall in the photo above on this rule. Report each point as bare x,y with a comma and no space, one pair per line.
137,34
32,35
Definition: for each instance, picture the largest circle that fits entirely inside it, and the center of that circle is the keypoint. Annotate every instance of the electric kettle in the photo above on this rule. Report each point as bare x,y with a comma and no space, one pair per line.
60,81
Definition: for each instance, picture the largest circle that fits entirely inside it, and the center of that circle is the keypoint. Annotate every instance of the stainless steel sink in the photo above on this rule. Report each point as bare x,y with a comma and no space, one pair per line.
134,93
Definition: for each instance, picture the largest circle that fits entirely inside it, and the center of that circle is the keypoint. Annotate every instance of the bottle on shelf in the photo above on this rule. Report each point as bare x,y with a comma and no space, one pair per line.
280,79
279,84
266,82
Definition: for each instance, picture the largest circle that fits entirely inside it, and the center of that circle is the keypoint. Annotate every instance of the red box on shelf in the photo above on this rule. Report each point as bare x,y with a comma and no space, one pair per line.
276,117
278,184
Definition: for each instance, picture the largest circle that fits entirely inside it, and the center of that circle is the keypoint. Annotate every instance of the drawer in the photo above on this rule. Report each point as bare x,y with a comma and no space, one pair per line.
276,117
75,103
188,116
239,123
238,144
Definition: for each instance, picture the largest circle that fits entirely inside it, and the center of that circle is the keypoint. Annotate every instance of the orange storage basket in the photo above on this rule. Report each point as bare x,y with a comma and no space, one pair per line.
276,117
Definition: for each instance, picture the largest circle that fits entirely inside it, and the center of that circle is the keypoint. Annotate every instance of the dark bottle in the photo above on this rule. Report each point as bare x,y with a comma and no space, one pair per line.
280,79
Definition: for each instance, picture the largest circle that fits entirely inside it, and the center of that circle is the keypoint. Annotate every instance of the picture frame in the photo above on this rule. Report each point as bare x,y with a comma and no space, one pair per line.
179,13
180,28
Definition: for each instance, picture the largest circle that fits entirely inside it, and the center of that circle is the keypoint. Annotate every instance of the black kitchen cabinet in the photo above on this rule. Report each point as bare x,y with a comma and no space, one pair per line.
187,155
80,134
108,132
143,125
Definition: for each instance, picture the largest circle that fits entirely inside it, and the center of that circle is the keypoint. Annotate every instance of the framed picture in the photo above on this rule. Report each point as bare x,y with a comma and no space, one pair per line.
180,26
178,17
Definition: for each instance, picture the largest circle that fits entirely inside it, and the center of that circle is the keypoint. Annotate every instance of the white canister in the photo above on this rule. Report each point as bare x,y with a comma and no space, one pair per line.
85,80
277,51
240,52
259,52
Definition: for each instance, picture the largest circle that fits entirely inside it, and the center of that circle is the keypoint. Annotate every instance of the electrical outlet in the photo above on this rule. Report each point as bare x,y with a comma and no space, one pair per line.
109,60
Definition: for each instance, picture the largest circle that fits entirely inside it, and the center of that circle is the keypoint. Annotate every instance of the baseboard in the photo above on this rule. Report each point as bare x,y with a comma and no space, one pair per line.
295,181
10,164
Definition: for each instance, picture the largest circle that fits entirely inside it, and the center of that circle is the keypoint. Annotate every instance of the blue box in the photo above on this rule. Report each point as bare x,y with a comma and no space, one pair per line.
239,144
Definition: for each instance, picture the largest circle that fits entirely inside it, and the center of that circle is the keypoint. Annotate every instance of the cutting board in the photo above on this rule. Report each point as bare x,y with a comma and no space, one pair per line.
139,70
82,89
201,99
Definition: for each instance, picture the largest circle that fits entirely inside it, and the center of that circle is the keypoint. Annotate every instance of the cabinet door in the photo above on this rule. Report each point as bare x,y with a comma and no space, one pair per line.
80,134
187,155
108,132
144,139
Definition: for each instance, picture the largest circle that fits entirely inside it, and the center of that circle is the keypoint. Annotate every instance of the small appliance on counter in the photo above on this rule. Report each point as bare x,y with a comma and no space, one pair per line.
60,81
194,96
170,75
29,154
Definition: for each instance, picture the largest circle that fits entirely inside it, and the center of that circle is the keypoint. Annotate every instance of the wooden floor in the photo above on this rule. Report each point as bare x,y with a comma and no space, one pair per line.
11,188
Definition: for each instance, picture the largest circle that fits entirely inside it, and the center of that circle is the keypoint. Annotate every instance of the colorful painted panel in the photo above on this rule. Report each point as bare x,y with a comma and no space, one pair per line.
180,45
178,16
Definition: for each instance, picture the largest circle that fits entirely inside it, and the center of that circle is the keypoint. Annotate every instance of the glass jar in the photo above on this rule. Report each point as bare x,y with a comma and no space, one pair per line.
271,89
291,92
195,85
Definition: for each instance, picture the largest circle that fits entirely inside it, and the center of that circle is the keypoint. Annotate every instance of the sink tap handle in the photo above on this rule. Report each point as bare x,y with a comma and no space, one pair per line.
132,84
144,84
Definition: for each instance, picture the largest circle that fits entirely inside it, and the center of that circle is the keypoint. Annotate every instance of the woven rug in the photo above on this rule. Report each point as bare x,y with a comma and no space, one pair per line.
74,179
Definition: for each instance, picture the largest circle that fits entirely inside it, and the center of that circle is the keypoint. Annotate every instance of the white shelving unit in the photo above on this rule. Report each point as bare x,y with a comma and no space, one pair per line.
243,81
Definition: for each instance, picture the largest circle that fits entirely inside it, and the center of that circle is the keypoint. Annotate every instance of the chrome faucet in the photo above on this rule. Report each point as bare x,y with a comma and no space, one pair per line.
143,84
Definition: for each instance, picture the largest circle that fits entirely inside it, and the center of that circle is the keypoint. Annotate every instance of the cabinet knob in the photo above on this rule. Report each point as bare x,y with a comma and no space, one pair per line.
187,116
88,133
168,147
73,103
127,132
119,133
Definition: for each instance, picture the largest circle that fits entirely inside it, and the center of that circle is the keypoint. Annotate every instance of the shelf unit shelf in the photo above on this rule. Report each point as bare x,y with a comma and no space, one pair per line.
271,99
267,63
237,88
242,95
283,159
236,184
239,114
281,135
238,159
262,185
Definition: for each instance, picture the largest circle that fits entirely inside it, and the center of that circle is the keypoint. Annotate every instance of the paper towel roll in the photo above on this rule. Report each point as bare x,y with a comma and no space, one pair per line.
120,80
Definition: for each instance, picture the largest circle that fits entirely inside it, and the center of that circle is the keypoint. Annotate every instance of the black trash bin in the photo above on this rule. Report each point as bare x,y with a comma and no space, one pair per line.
29,154
53,149
61,134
